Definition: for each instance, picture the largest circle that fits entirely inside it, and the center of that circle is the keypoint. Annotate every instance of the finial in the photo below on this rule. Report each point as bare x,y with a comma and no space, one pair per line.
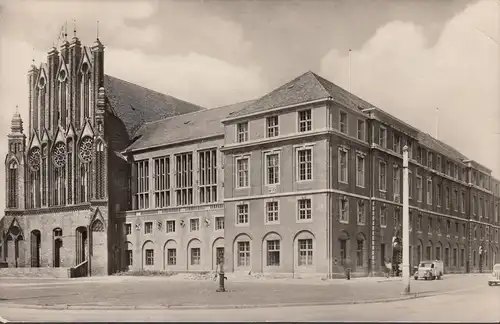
66,31
33,56
74,27
97,32
17,109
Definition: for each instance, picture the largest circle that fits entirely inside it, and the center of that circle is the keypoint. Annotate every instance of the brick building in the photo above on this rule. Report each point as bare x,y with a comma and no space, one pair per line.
306,180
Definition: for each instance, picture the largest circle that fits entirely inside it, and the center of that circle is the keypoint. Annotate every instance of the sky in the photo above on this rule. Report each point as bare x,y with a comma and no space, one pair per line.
409,57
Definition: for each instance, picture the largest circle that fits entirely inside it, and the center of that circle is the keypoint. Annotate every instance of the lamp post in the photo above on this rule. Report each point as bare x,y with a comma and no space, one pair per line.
406,224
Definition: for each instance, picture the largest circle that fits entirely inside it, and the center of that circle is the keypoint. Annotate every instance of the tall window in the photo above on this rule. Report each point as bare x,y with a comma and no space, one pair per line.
382,174
195,256
305,120
34,165
361,130
272,126
85,92
62,98
242,214
383,216
396,182
242,132
184,179
305,164
343,122
162,182
396,143
305,257
142,195
429,159
70,164
410,184
473,205
208,176
13,186
44,170
438,194
438,163
344,210
447,197
343,174
243,254
242,172
273,168
419,188
429,191
272,211
100,166
359,252
304,209
360,170
171,256
59,176
383,137
86,148
455,199
150,257
273,253
361,219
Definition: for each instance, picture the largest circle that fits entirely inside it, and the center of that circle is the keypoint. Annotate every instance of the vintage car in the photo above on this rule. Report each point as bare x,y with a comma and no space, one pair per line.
495,276
432,269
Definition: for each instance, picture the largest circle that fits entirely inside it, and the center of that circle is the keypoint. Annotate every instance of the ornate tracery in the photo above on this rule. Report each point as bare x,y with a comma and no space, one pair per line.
59,173
34,161
86,149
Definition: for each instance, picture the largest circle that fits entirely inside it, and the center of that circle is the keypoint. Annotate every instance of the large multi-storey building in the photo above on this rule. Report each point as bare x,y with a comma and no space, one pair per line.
305,180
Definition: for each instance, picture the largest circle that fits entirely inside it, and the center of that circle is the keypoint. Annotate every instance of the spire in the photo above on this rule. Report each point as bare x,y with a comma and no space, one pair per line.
16,124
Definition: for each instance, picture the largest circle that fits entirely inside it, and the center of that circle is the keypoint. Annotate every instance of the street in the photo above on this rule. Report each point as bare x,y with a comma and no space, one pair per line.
463,298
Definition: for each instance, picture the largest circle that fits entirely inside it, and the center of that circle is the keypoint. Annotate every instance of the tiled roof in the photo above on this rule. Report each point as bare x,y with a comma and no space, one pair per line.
307,87
135,105
185,127
440,147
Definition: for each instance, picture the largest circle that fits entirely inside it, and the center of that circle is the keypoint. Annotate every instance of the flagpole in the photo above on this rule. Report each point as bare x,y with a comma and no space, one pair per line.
350,101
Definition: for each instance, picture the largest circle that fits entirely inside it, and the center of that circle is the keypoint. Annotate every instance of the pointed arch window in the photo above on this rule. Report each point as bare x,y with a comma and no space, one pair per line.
59,174
41,101
13,193
61,114
100,170
34,159
44,170
70,166
85,92
86,148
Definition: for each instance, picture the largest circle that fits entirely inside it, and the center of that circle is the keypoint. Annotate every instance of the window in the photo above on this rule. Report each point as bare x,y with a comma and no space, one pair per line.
396,143
496,212
382,171
343,174
242,132
344,210
438,253
419,188
305,257
142,194
272,126
243,254
12,185
462,202
171,256
455,173
428,252
360,170
207,163
359,252
343,122
429,229
446,257
419,154
396,183
150,257
419,222
272,211
429,191
447,197
463,230
304,209
462,257
219,223
305,164
438,163
148,227
242,172
272,168
162,182
473,207
129,256
455,199
409,143
171,226
195,256
343,251
438,194
429,159
480,207
242,214
383,216
219,252
397,218
194,224
305,120
273,253
383,137
410,184
361,219
184,179
448,227
361,130
128,229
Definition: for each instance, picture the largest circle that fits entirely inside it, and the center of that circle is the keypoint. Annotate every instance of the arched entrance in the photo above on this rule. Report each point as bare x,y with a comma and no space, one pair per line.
35,248
58,243
81,245
99,251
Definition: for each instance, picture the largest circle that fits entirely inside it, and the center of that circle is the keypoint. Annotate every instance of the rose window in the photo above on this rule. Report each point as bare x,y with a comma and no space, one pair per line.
86,148
34,159
59,155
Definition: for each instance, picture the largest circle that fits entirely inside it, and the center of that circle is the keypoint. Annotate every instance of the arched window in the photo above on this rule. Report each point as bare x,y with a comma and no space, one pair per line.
69,161
44,170
61,115
41,102
86,148
12,189
59,174
85,92
100,169
34,160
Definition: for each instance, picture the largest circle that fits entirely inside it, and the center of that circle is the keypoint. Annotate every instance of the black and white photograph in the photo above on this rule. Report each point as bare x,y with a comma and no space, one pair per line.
250,160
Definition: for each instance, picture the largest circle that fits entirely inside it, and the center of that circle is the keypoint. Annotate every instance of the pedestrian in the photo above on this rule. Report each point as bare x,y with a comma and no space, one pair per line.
388,267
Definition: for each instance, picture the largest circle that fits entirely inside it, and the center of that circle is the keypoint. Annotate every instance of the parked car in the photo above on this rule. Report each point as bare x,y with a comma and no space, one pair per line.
495,276
430,270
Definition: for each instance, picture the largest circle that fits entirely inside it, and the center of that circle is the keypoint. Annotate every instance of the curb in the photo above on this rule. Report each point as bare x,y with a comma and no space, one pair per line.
188,307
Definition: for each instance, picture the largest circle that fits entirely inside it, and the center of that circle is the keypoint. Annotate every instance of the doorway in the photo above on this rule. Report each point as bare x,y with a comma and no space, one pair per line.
35,242
57,252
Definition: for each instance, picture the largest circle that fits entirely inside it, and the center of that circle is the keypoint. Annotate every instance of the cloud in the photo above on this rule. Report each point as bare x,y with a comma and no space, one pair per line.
396,71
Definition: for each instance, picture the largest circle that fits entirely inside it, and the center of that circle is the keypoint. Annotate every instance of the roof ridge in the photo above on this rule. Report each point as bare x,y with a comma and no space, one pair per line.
320,80
155,91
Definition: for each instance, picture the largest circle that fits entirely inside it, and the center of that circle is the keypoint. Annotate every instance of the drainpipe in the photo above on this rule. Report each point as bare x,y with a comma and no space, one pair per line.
372,201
